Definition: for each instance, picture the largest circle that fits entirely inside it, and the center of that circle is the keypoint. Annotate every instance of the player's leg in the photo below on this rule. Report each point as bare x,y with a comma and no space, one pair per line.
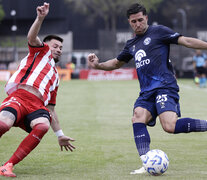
187,125
203,76
8,117
168,121
168,109
8,113
7,120
171,124
140,118
39,127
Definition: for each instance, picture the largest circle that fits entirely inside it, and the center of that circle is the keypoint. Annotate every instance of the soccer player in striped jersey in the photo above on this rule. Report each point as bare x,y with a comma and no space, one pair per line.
32,91
158,97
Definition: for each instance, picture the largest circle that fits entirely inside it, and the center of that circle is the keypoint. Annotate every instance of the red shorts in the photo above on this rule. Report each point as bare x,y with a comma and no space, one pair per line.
26,107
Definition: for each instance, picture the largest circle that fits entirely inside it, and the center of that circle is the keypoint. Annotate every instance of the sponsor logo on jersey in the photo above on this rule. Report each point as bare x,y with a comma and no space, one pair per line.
133,48
147,41
139,58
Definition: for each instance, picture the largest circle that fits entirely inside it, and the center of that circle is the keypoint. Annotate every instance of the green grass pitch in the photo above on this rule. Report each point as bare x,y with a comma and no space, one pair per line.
98,115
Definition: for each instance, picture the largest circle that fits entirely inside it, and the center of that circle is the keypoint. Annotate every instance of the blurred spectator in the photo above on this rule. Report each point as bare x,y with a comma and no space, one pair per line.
199,63
70,65
74,60
83,61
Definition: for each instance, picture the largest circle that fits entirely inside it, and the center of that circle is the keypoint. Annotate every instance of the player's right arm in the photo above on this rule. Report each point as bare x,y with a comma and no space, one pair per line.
109,65
32,36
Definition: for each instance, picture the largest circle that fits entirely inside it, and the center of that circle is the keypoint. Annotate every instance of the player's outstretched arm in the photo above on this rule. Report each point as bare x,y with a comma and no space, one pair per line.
32,36
192,42
64,141
109,65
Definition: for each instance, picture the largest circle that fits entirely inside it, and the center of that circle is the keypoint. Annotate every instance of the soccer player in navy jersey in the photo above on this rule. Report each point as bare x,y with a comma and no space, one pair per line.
159,90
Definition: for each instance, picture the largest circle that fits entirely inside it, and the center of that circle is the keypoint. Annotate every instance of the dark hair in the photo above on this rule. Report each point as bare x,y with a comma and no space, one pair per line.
136,8
50,37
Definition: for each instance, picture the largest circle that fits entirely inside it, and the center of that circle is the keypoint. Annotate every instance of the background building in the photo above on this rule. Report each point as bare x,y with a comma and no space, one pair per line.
82,37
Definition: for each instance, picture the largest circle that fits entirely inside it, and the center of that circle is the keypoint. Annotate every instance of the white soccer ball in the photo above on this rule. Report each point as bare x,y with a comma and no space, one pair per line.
156,162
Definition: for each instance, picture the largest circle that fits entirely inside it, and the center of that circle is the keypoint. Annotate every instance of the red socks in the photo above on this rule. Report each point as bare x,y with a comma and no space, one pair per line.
3,128
29,143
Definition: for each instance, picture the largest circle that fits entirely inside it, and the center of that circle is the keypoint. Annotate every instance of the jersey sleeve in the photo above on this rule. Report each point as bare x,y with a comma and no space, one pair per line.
125,54
53,97
35,49
168,35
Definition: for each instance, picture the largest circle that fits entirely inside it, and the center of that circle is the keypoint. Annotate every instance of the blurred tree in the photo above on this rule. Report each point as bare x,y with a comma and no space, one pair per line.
108,10
194,9
1,12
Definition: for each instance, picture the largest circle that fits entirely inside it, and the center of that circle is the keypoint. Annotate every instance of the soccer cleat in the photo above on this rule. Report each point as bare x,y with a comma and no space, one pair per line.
6,170
139,171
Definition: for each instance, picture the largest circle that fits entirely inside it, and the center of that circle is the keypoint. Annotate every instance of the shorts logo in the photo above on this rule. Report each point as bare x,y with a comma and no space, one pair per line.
139,57
11,100
162,105
147,41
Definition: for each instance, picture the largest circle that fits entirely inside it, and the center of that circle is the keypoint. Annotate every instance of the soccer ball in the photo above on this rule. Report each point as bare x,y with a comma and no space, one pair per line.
156,162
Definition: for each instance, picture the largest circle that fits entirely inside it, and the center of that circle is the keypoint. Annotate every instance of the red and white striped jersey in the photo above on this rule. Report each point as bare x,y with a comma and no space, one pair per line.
38,70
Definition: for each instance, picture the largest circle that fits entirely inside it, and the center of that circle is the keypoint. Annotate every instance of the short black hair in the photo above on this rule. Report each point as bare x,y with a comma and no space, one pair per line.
136,8
50,37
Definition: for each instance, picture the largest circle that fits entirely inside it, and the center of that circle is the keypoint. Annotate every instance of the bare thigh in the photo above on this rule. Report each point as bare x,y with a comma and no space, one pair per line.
40,120
7,117
168,120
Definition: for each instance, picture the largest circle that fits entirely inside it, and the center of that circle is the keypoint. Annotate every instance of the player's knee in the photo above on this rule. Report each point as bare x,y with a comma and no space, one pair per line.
43,127
169,127
8,118
3,128
136,117
133,120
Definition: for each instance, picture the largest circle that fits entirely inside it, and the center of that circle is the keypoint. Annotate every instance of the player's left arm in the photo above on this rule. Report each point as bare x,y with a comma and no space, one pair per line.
64,141
190,42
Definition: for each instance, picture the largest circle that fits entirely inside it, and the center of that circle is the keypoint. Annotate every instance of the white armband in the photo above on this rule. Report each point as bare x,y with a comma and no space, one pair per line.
59,133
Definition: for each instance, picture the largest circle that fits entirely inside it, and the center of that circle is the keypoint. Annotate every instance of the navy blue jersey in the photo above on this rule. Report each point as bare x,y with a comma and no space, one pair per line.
151,54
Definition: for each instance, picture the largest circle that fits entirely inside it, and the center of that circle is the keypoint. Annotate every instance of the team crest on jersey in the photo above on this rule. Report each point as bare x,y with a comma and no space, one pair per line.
147,41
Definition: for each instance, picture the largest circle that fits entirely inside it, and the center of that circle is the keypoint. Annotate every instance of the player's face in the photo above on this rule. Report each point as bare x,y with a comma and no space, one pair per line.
56,49
138,23
198,52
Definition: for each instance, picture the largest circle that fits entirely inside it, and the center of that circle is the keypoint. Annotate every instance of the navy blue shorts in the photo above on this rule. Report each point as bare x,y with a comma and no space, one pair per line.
159,101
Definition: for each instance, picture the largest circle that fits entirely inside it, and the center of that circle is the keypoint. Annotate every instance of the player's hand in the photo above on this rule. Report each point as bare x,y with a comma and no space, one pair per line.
64,141
43,10
93,61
